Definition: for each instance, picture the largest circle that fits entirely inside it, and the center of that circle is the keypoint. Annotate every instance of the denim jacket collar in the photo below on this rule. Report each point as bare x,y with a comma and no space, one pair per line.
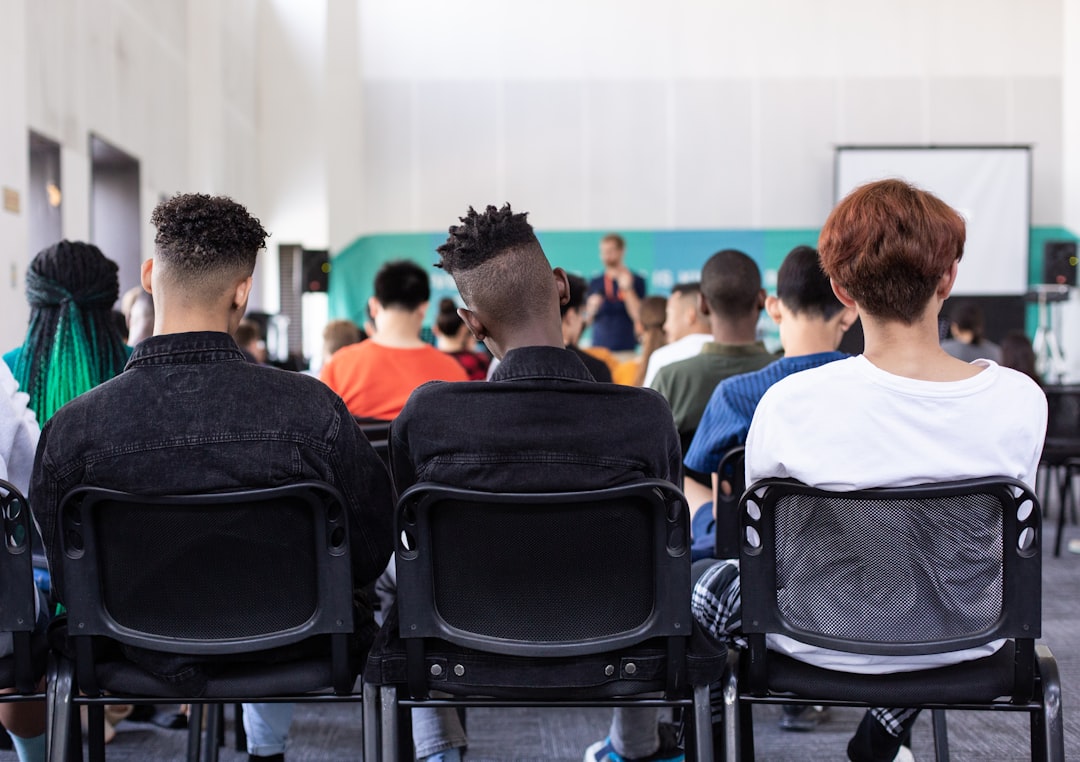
185,348
541,362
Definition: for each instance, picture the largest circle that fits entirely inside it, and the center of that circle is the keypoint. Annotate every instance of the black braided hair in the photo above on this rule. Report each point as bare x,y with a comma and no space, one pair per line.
71,344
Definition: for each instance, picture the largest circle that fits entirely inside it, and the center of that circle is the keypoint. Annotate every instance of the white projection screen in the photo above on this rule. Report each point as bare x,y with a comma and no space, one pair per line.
989,186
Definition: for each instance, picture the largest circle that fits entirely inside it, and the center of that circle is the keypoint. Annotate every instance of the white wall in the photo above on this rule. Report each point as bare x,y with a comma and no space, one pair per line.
171,83
686,114
14,161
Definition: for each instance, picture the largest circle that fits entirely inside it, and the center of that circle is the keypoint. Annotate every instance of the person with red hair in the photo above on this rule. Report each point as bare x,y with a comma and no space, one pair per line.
902,413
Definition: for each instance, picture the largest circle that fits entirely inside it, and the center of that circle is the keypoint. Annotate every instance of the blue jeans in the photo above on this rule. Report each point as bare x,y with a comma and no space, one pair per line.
267,727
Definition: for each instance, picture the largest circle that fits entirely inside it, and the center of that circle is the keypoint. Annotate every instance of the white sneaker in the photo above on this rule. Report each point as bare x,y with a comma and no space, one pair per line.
904,755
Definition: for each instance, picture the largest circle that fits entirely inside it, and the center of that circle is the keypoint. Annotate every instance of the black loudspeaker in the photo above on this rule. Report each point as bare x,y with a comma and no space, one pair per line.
316,269
1059,263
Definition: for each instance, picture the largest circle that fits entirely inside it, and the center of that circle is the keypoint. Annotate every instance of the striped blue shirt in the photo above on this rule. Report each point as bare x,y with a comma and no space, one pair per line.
731,408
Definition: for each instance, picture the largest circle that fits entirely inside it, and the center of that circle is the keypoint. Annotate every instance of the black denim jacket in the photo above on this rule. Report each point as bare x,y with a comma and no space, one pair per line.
541,424
189,414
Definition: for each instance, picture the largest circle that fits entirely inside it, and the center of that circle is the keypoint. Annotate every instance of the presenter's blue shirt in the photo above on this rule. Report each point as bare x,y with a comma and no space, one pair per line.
612,326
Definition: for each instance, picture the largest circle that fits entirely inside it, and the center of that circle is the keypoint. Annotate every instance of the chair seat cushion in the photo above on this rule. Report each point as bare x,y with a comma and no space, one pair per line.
975,681
280,679
464,671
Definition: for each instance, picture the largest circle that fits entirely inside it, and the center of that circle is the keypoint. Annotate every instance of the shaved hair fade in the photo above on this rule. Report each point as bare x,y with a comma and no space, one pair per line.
206,243
499,267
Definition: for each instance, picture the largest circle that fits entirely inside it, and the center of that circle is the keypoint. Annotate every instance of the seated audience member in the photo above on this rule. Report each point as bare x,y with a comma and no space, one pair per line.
138,309
732,299
540,396
967,341
257,426
614,298
71,344
904,412
376,376
573,324
1018,354
335,335
249,338
685,326
452,336
649,328
24,721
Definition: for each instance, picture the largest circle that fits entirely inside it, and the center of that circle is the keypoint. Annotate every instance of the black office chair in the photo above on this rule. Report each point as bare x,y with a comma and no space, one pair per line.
541,600
24,666
377,432
732,469
896,572
257,581
1061,453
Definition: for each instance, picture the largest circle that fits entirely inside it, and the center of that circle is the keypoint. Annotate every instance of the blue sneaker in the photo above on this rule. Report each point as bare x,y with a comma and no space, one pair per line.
604,751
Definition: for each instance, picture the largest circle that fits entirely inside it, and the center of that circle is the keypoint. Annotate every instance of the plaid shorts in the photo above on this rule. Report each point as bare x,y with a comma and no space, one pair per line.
717,606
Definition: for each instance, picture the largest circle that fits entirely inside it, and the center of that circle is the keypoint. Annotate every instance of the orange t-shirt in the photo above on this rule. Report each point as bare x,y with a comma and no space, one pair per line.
375,381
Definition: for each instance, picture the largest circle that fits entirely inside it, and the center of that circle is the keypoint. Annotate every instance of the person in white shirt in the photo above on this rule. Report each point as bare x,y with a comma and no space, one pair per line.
686,328
19,433
903,413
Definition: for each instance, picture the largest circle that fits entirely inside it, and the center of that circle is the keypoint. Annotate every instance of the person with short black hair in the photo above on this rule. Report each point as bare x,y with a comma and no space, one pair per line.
614,298
573,322
209,421
967,335
376,377
536,425
902,413
731,298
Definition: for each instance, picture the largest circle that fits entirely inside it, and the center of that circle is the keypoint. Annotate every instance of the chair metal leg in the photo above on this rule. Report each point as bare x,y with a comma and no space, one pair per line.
58,709
195,716
1062,477
388,707
371,723
95,714
1051,719
703,740
213,722
941,736
238,730
730,685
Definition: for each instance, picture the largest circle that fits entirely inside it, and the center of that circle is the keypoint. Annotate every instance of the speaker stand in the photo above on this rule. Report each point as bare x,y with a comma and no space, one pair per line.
1049,357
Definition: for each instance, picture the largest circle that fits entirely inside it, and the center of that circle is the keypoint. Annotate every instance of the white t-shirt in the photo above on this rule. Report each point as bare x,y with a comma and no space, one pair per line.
683,349
19,432
850,425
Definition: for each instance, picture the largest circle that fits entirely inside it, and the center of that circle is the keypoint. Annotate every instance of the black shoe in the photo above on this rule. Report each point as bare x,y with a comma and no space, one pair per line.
803,719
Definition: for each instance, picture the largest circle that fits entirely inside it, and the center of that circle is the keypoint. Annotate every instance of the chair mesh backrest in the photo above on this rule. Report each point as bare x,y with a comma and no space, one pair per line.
223,571
588,569
1063,412
889,571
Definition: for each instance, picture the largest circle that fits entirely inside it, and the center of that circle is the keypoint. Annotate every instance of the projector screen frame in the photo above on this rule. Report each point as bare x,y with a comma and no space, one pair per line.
838,148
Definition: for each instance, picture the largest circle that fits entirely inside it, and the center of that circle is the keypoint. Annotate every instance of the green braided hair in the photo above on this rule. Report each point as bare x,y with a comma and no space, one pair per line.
72,344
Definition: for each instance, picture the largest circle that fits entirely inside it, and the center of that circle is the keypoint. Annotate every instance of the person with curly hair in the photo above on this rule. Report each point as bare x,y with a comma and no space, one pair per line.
72,343
209,421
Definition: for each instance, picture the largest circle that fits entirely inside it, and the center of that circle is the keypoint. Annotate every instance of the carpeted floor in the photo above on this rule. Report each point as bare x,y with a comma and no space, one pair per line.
334,733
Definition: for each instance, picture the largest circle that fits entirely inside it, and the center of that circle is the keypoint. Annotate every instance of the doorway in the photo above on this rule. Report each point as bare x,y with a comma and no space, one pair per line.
115,224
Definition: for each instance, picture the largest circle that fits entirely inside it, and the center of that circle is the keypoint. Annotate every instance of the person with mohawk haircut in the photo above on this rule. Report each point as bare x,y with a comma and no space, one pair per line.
542,424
